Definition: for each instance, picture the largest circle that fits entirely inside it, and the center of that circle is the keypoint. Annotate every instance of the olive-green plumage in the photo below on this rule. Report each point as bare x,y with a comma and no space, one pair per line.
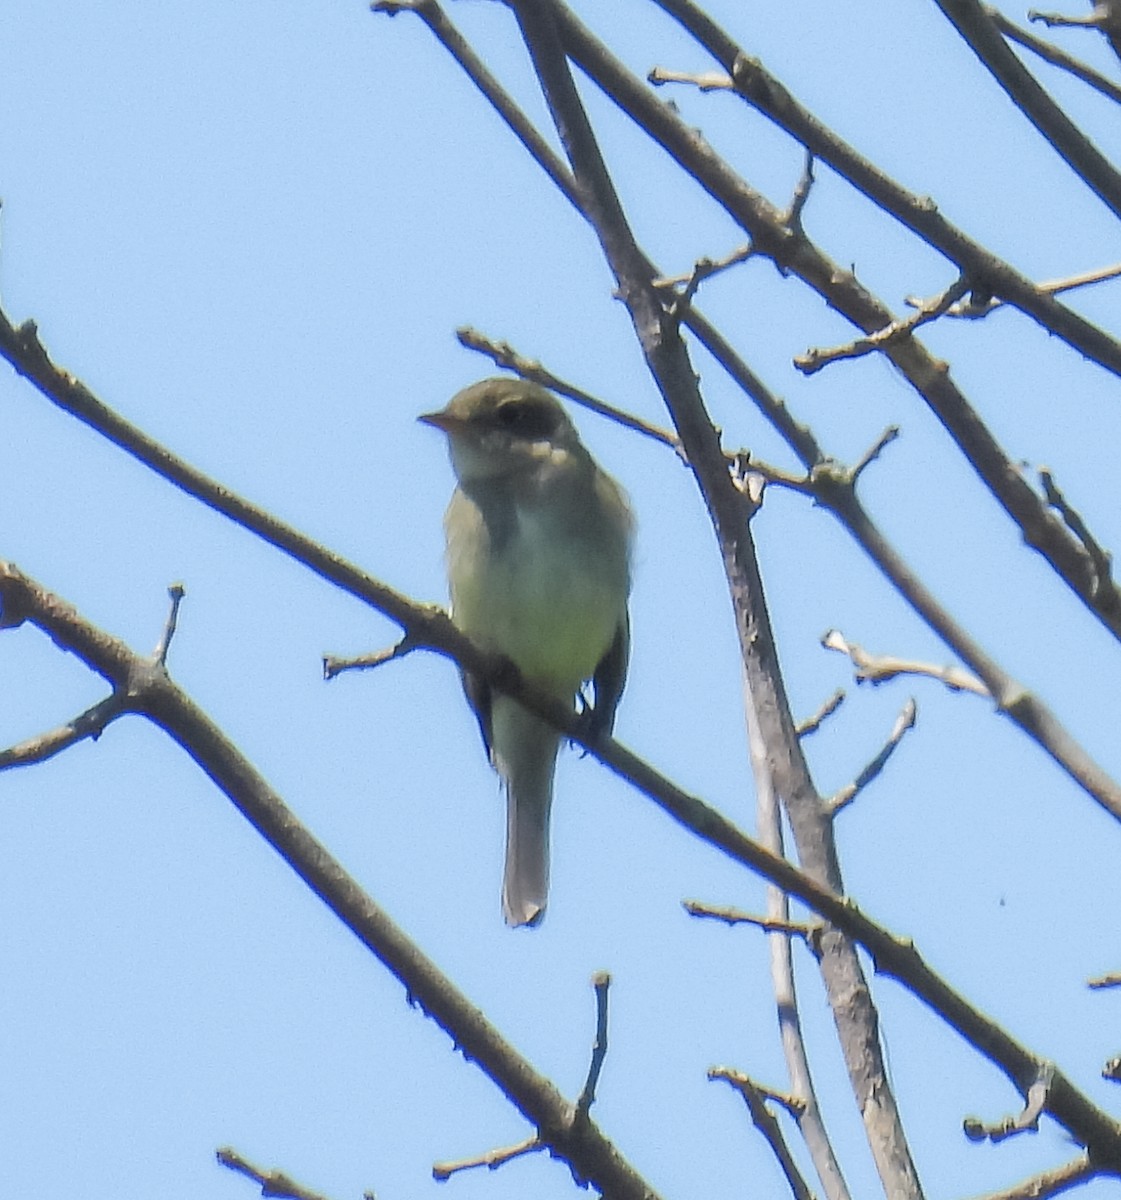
538,558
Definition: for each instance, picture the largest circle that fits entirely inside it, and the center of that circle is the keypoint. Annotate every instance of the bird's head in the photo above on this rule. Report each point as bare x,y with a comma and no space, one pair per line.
503,427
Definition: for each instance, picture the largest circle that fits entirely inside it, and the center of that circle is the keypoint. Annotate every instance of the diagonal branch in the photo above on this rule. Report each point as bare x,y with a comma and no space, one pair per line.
165,704
569,1134
272,1182
833,487
773,234
764,92
1040,529
667,359
847,794
970,19
1049,1183
1053,54
89,724
1106,18
765,1121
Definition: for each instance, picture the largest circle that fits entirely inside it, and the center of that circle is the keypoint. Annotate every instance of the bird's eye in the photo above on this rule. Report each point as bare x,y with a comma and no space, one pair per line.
527,419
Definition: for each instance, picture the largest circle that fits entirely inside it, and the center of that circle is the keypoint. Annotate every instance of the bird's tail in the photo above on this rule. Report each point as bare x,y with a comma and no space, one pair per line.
525,753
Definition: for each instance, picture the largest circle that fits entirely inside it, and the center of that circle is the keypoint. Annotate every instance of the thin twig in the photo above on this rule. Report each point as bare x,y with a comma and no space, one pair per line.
1054,54
492,1159
801,194
1079,153
930,310
764,1120
89,724
811,1120
1048,1183
737,916
1054,20
504,355
1025,1121
765,92
333,666
979,303
709,265
706,81
1102,559
601,982
794,1105
905,721
703,268
176,592
879,668
272,1182
813,724
873,452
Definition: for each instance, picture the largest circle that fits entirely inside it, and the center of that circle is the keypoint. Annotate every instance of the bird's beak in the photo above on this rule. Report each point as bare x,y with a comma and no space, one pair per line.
442,420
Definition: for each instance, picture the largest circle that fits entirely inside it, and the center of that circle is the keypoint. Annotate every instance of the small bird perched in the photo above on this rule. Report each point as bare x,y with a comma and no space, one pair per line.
538,559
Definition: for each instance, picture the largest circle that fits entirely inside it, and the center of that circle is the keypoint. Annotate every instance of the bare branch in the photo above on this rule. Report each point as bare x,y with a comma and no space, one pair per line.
980,303
878,668
176,592
873,452
1112,980
164,703
89,724
764,1120
707,81
333,666
1049,1183
759,88
601,981
1106,18
492,1159
971,21
704,268
504,355
273,1182
772,234
929,310
905,721
801,194
811,1120
737,916
794,1105
153,694
1053,54
1025,1121
477,71
710,265
813,724
668,361
1102,559
1054,20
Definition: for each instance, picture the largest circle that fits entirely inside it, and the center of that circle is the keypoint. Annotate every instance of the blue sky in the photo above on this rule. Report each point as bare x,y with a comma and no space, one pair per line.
252,229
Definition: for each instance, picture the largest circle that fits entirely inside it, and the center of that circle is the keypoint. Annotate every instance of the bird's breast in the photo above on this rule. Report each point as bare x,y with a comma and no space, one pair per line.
549,594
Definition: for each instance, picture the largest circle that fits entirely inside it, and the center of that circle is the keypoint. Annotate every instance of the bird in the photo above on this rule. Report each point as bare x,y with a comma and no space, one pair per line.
538,554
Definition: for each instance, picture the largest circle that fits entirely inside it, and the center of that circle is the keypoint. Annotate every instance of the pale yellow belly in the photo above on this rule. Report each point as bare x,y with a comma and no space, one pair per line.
553,609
